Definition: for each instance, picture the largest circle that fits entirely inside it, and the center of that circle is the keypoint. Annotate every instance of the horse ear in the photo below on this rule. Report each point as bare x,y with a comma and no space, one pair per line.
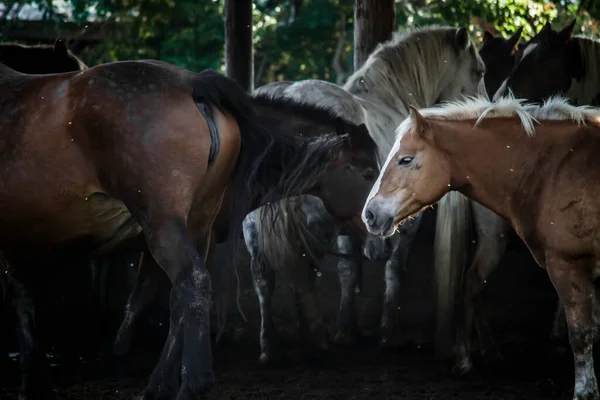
419,122
487,36
462,38
566,33
513,41
60,47
547,28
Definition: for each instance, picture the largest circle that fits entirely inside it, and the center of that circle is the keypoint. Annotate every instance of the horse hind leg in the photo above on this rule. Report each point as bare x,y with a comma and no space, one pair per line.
347,323
263,281
311,325
395,270
147,281
493,239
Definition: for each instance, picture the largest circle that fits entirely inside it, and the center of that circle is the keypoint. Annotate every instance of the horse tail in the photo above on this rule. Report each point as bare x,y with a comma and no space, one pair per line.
450,258
272,163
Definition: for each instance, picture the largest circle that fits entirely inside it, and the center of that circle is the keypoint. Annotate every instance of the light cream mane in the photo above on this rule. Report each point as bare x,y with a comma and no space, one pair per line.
407,69
411,68
479,108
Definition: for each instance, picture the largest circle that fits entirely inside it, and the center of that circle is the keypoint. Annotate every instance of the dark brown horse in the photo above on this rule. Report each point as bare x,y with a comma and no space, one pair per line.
17,297
138,155
498,54
302,119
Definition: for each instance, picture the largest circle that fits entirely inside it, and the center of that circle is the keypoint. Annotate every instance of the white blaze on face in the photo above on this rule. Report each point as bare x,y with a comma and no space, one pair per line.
392,153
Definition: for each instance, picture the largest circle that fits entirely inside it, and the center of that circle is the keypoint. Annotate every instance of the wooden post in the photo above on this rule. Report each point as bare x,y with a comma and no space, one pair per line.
374,22
239,51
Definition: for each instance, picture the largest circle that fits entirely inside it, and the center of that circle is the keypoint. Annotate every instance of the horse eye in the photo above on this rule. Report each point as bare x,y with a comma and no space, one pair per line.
369,175
404,161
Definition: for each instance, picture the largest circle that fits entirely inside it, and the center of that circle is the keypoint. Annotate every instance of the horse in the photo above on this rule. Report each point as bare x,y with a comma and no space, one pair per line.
542,182
498,54
573,72
300,273
306,120
569,68
572,61
428,66
150,149
40,59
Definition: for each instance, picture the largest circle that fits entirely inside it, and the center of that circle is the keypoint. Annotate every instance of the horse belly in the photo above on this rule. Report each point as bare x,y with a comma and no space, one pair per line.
97,223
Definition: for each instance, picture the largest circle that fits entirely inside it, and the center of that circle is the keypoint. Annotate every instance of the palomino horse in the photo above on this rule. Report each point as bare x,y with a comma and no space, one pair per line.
567,65
150,149
40,59
571,63
425,67
542,181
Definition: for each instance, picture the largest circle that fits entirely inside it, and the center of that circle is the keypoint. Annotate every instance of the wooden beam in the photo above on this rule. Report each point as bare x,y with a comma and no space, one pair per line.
374,22
239,49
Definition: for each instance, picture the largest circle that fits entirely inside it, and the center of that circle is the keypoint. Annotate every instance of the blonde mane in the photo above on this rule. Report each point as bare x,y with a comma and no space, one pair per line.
479,108
410,68
407,69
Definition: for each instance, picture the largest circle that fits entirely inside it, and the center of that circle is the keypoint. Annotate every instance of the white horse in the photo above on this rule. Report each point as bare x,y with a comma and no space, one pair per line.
422,68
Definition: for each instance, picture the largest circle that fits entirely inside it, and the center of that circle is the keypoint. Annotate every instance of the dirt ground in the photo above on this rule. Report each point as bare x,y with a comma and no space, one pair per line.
519,301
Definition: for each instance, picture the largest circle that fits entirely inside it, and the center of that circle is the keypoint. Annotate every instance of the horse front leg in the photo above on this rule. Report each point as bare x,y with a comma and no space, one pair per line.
347,322
395,270
147,281
573,282
493,233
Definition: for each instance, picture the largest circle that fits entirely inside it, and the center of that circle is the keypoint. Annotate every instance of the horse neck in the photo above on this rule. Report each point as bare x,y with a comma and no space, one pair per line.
494,181
381,121
587,90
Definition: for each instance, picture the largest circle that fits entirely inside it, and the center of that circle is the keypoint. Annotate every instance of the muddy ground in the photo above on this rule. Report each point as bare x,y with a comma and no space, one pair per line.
519,301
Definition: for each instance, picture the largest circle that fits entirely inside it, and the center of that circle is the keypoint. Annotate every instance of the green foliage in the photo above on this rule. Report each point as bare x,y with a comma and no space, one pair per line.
294,39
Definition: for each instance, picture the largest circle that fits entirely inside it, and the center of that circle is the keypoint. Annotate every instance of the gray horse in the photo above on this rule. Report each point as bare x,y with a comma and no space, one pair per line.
422,68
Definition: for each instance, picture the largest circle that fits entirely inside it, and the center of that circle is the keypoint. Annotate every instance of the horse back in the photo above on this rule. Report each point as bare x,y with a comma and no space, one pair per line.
117,134
570,191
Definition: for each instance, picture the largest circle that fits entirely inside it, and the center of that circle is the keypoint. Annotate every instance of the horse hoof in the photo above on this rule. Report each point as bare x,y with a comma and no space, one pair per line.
264,359
463,367
272,359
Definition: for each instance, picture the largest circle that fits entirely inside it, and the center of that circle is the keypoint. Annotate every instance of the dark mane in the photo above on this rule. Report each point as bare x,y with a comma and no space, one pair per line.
311,120
317,114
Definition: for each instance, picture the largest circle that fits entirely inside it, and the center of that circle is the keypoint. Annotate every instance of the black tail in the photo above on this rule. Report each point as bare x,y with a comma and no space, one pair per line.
273,164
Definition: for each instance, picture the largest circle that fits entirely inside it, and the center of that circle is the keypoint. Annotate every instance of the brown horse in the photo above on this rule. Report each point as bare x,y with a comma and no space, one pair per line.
138,154
302,119
18,302
541,179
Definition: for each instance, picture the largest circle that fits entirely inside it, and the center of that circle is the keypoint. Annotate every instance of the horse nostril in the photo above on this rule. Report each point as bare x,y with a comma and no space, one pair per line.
370,217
